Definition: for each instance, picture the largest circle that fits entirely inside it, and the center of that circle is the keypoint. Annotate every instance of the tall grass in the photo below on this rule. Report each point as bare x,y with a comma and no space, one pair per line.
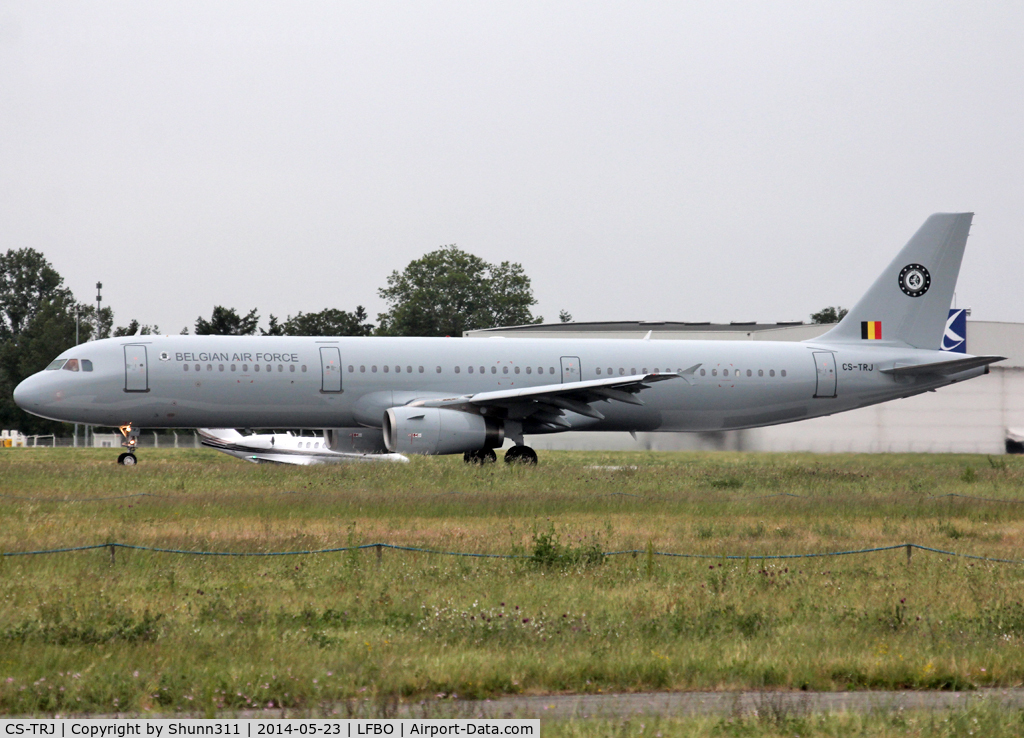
171,632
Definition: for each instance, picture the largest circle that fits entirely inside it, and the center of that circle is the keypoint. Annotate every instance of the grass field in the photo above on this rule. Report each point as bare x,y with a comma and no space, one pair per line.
162,632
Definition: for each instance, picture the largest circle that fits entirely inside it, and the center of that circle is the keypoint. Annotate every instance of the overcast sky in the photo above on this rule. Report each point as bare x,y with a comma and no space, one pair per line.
654,161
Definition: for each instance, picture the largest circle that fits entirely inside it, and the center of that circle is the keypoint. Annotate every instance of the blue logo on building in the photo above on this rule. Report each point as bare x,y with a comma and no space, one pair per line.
955,337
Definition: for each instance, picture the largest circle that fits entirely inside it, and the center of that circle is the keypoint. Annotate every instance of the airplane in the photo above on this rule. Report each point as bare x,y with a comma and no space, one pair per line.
283,448
467,395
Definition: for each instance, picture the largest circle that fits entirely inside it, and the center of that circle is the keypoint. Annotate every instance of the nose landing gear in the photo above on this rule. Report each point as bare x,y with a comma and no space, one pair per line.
131,440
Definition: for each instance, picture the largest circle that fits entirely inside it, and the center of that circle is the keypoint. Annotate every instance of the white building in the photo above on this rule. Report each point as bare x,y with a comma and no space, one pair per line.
977,416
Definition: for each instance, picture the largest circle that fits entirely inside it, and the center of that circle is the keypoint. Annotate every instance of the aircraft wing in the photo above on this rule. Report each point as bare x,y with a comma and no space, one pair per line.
941,368
548,403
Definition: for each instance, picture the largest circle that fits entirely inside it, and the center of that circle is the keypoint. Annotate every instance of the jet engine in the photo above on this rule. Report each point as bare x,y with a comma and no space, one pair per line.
432,430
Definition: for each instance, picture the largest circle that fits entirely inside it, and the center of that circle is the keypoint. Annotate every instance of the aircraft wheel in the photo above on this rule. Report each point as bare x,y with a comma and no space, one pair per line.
127,459
483,456
521,455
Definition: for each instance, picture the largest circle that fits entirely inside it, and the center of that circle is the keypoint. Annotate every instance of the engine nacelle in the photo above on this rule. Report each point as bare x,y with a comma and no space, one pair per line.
434,430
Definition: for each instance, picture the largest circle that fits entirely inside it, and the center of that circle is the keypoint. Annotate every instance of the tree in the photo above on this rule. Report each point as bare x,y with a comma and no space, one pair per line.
26,281
226,322
37,322
829,315
328,322
101,322
50,331
449,291
564,316
133,328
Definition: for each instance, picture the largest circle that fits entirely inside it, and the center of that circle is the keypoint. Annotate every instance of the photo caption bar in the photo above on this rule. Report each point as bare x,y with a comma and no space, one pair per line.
290,727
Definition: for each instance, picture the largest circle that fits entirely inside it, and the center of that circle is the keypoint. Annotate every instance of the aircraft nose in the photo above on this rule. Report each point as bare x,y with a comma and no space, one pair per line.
27,395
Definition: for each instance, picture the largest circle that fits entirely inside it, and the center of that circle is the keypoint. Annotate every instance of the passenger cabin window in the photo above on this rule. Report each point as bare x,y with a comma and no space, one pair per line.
398,370
209,367
303,367
291,368
783,372
771,372
373,368
351,368
256,367
185,366
760,372
421,370
517,370
702,372
749,373
470,370
386,369
232,367
457,370
529,370
551,370
245,368
504,369
494,370
438,370
362,369
86,365
71,366
220,367
409,369
599,371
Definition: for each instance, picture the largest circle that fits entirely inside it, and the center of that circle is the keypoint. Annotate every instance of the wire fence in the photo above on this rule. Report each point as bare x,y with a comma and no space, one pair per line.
738,498
380,547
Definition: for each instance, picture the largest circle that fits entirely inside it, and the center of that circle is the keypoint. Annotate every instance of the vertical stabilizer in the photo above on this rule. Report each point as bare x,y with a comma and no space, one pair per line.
909,302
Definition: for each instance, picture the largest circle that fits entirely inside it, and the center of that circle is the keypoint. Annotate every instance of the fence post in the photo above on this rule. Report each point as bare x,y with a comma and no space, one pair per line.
380,555
111,546
910,552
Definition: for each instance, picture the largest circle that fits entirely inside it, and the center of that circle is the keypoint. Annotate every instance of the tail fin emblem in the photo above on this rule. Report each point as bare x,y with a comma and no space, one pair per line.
914,280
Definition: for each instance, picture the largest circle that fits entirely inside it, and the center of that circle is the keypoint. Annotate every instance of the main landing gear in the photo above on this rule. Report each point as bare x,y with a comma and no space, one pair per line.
131,440
515,455
521,455
481,457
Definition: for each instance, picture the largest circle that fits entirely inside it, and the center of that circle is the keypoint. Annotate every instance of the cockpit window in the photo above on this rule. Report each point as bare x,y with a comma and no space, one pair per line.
55,365
71,366
86,365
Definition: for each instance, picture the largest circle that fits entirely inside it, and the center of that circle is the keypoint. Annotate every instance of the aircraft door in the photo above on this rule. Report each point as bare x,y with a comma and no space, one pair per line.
330,367
825,363
136,368
570,369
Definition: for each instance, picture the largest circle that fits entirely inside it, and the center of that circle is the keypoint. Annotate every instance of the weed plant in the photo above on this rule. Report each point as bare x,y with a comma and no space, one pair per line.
203,634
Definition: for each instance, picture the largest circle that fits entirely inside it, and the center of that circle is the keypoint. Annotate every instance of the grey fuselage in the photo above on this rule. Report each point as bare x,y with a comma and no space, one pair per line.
299,382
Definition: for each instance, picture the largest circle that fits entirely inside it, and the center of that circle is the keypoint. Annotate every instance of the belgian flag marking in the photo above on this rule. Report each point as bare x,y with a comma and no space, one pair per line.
871,330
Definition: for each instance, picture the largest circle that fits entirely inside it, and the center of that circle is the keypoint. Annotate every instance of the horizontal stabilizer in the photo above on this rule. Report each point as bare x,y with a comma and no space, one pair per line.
941,368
